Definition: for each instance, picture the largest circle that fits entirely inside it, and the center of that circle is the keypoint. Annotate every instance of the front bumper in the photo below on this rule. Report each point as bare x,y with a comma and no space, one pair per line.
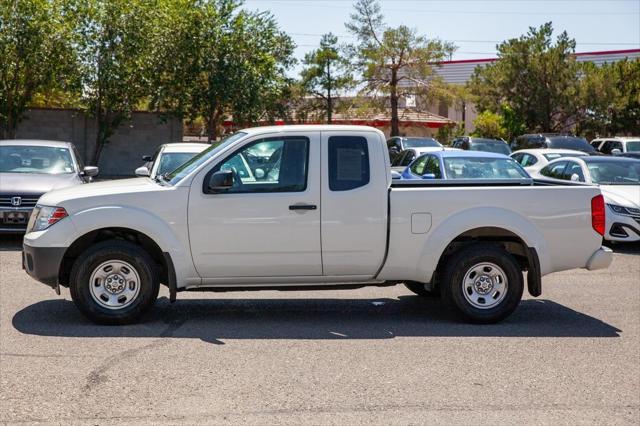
43,263
601,259
622,228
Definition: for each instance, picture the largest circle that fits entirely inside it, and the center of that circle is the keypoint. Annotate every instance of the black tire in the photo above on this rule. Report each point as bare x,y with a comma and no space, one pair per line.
463,262
418,288
114,250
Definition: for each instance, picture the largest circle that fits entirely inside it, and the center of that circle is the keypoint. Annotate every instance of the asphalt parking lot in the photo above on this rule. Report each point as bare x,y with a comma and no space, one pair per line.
377,355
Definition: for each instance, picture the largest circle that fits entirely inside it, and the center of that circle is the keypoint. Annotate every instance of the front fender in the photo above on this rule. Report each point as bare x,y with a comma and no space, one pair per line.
171,235
463,221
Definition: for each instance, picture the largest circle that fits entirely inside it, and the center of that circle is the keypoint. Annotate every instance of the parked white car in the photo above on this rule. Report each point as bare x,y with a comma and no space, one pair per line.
617,145
291,207
619,181
533,160
168,157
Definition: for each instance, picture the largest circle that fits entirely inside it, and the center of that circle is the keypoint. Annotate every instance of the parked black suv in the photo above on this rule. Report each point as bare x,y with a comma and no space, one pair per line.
469,143
552,140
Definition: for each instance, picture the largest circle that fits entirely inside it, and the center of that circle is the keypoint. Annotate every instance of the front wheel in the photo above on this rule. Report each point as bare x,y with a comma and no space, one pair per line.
484,283
114,282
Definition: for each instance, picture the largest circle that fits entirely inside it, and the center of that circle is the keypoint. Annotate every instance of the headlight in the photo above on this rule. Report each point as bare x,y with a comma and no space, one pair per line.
43,217
626,211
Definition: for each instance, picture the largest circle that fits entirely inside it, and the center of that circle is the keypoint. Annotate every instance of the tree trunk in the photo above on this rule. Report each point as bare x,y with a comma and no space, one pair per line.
393,85
212,132
329,100
100,140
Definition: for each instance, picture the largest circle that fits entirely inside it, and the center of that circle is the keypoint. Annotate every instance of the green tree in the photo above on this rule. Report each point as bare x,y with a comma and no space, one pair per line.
217,61
490,125
112,40
35,56
394,61
611,96
176,43
326,74
536,79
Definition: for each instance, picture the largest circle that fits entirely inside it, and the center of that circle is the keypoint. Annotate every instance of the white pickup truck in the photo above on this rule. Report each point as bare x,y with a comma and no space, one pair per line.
308,207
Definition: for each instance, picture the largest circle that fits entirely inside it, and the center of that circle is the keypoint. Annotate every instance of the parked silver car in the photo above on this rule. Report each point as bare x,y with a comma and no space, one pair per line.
28,169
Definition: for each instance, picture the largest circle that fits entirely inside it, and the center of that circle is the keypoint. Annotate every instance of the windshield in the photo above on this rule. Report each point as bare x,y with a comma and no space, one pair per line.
556,155
496,147
633,146
172,160
570,142
615,172
421,143
483,168
178,174
35,159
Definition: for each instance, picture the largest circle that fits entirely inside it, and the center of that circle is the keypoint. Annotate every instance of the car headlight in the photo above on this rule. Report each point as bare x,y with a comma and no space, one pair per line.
43,217
626,211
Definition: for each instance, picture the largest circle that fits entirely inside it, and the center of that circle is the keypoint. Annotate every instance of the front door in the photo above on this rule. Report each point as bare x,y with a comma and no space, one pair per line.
268,223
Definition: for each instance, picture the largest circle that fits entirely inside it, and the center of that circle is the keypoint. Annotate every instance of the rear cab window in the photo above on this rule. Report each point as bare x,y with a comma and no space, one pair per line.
348,162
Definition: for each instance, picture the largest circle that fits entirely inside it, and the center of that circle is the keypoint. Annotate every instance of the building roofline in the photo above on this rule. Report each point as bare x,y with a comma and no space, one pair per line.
597,53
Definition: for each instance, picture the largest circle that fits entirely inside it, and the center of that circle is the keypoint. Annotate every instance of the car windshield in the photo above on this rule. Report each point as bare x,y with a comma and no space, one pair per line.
35,159
483,168
178,174
490,146
170,161
570,142
557,155
633,146
421,143
615,172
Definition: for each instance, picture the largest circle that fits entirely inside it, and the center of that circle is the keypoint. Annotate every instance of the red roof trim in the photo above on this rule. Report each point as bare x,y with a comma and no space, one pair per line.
608,52
602,52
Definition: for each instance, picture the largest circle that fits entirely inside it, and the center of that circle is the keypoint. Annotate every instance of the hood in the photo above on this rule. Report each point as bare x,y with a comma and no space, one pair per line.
99,189
622,195
35,183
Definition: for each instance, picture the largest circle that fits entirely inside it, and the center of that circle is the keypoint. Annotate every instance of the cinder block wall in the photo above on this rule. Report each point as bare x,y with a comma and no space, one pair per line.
122,155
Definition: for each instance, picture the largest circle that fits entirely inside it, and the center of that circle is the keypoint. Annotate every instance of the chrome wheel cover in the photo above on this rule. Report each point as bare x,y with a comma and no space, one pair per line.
485,285
114,284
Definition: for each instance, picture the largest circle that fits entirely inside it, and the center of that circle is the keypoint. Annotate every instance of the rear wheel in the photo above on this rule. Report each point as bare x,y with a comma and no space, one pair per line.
114,282
483,282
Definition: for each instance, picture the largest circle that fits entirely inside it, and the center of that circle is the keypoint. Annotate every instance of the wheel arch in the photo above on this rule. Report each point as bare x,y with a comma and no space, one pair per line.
161,258
513,243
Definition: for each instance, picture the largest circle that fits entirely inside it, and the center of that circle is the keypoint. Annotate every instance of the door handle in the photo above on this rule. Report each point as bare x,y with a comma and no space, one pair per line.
303,207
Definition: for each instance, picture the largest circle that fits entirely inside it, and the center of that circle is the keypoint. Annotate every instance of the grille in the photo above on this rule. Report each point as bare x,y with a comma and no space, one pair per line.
25,201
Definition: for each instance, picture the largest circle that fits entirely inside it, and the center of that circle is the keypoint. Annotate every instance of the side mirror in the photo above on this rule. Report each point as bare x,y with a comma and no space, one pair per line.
147,158
395,175
142,171
220,181
575,178
616,151
428,176
89,171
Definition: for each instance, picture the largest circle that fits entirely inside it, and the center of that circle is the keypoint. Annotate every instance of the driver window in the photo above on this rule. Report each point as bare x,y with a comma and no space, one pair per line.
269,165
573,168
555,170
433,167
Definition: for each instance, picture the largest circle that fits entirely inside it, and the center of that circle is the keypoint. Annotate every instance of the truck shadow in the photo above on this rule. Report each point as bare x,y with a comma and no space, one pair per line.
219,320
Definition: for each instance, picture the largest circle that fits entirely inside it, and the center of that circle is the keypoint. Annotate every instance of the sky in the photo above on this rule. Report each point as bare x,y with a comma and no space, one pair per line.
475,26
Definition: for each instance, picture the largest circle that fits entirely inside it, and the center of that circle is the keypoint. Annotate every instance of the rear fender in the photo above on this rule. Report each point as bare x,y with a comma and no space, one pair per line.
466,220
